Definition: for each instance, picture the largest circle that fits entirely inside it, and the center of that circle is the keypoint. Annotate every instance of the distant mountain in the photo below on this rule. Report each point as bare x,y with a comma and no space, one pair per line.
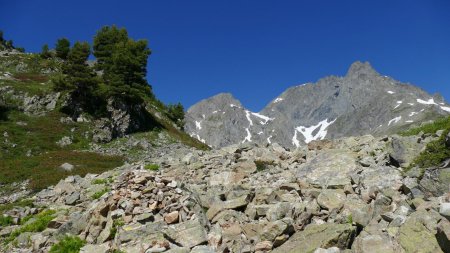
361,102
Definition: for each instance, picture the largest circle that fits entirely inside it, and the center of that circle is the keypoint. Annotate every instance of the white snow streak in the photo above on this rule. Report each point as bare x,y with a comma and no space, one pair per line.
390,92
268,139
399,103
260,133
394,120
411,104
428,102
278,100
409,121
214,112
447,109
307,132
431,102
247,114
248,137
198,125
233,105
295,141
265,118
412,114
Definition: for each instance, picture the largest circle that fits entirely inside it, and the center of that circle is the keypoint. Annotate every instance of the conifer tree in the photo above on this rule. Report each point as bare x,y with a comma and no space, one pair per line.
104,42
45,53
62,48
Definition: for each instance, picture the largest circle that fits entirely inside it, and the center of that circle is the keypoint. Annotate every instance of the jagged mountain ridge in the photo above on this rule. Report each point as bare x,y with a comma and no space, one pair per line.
361,102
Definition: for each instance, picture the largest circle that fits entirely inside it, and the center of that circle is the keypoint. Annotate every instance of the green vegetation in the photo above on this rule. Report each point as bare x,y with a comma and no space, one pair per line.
69,244
30,150
350,219
99,181
152,167
8,44
430,128
98,194
62,48
5,221
434,154
116,225
436,151
45,52
262,165
20,203
38,155
176,113
37,223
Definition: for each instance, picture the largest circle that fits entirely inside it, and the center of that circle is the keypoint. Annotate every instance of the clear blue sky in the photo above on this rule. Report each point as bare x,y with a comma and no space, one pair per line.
253,49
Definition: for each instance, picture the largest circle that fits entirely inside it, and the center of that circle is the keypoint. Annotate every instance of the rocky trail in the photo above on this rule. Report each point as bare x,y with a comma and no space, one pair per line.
346,195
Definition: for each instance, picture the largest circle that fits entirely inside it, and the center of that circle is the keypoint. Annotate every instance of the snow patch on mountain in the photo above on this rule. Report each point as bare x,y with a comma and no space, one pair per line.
265,118
248,137
278,100
198,125
308,132
247,115
427,102
394,120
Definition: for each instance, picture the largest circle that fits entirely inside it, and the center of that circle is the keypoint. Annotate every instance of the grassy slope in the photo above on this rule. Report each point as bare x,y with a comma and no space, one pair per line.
39,134
436,151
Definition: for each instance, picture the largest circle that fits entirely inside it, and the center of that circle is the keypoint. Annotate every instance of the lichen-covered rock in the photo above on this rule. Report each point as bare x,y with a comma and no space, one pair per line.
319,236
414,233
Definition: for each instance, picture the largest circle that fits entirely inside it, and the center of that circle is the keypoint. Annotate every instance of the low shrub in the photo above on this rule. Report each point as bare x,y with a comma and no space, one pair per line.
69,244
152,167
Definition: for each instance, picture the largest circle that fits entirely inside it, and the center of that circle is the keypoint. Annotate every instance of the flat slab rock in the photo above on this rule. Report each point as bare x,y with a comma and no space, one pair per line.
318,236
330,169
187,234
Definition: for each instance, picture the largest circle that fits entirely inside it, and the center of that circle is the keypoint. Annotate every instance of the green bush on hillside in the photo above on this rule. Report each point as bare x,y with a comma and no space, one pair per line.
69,244
429,128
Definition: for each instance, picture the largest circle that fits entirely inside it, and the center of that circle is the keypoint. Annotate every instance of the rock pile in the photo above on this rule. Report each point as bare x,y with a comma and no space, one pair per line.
348,195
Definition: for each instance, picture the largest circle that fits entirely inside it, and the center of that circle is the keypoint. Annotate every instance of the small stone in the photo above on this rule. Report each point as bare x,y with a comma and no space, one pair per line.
171,218
172,184
72,198
444,210
67,167
264,246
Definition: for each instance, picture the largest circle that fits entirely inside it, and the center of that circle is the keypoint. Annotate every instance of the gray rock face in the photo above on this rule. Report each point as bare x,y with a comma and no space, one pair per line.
362,102
39,105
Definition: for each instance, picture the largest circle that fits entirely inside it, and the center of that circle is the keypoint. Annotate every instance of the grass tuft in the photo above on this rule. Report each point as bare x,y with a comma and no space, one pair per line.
38,223
98,194
69,244
152,167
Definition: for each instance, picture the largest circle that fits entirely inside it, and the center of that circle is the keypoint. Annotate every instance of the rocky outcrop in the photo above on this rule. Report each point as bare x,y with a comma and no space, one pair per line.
361,102
124,119
343,196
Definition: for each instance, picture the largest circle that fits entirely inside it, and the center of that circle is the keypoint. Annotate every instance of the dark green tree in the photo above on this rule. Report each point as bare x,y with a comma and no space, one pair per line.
1,37
45,53
176,113
125,71
104,42
78,78
62,48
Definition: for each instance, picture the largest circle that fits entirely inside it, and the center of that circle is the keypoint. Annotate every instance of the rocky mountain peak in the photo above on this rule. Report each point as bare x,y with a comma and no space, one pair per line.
362,102
359,69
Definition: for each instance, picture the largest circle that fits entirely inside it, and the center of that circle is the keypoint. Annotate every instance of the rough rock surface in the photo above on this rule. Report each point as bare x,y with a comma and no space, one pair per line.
361,102
346,195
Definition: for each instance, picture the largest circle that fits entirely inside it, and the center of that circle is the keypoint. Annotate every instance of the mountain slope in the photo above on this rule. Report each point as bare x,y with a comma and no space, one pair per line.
361,102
